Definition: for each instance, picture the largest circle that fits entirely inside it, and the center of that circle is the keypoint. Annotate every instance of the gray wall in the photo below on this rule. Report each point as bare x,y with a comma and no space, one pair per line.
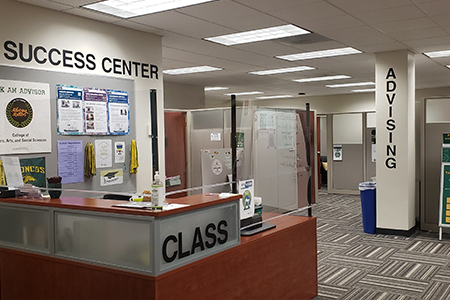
182,96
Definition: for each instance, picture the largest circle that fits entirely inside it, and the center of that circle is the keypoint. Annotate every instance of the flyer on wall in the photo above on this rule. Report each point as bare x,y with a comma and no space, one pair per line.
24,120
119,112
70,109
70,160
103,153
96,117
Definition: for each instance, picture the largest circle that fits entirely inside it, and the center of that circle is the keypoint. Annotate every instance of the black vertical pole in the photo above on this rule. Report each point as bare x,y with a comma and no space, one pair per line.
154,124
308,156
233,144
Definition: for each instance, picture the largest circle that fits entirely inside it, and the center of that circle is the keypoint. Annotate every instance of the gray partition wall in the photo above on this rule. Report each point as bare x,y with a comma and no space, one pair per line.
347,173
80,80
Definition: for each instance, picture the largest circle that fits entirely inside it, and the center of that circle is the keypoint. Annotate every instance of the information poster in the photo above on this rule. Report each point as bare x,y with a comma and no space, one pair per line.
445,194
95,111
70,109
25,126
111,177
119,152
70,160
103,153
118,112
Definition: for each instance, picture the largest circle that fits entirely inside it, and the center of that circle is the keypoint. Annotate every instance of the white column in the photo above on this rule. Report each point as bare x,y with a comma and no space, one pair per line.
395,93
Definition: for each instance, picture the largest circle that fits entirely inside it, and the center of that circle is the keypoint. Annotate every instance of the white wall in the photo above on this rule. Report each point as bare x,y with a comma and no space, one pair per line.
32,25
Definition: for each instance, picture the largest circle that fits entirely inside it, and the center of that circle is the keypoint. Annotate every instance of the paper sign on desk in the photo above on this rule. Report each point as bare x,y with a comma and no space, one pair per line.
13,171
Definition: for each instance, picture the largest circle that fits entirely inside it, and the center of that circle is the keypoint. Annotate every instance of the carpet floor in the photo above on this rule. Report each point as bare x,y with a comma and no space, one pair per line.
353,264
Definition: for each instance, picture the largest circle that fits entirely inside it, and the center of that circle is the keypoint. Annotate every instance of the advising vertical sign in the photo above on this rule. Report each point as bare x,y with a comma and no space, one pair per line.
24,117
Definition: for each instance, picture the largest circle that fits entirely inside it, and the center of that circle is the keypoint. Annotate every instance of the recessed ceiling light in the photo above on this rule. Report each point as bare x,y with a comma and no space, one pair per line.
215,88
363,90
435,54
320,54
275,97
191,70
350,84
258,35
284,70
244,93
324,78
133,8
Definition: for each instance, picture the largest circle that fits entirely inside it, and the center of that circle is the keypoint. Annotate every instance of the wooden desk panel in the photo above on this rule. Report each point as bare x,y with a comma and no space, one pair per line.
277,264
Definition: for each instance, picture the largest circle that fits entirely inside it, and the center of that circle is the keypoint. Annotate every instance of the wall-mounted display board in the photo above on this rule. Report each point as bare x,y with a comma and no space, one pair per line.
67,129
92,111
444,202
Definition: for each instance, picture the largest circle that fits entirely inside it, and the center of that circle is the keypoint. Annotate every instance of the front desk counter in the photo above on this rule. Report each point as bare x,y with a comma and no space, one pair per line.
84,248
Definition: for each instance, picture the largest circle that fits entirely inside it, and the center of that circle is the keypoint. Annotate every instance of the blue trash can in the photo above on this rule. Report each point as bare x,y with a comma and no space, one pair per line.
368,206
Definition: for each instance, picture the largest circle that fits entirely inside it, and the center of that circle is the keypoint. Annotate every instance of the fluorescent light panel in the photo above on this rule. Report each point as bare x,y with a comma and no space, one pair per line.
320,54
258,35
191,70
363,90
283,70
275,97
215,88
435,54
324,78
133,8
350,84
244,93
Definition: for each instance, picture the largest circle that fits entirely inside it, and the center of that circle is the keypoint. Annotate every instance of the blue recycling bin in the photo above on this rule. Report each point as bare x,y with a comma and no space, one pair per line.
368,206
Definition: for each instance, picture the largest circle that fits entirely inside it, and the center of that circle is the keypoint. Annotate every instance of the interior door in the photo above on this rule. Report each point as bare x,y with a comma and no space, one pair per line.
175,139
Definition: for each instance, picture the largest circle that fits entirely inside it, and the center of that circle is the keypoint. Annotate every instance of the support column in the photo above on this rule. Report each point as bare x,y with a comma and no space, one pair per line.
395,131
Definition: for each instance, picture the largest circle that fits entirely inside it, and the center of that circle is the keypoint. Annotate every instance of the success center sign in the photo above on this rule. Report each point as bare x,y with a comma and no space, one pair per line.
24,117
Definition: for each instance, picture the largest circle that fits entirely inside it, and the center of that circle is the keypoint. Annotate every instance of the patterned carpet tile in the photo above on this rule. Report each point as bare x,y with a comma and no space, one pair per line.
339,276
389,284
408,270
332,247
330,292
338,237
429,247
420,257
443,275
365,264
436,290
373,295
391,241
370,251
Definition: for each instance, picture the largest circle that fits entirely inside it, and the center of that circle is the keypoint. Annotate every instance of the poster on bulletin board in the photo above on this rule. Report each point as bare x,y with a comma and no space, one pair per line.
24,118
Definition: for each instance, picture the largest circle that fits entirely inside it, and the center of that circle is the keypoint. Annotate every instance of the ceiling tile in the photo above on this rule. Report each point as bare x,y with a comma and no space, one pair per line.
217,10
92,15
47,4
300,14
75,3
138,26
182,24
438,7
418,34
353,6
405,25
250,22
270,5
405,12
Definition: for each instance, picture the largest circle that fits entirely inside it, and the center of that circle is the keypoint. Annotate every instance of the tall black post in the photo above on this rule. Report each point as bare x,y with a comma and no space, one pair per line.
154,124
308,156
233,144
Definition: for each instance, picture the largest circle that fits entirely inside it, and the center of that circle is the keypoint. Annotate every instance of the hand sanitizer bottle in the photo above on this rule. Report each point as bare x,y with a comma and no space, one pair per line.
157,191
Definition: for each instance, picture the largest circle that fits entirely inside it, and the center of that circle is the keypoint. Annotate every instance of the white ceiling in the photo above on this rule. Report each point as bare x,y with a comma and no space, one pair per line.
368,25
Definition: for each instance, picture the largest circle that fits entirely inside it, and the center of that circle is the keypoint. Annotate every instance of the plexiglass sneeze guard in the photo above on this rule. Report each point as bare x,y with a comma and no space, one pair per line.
136,243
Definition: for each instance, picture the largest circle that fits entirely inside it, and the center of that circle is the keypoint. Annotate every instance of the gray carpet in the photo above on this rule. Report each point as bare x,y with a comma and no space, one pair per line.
353,264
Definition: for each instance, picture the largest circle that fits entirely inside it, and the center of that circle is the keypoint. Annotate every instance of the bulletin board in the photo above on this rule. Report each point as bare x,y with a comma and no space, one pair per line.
53,79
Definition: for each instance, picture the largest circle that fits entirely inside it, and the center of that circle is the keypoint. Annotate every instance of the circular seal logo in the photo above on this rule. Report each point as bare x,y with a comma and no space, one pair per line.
19,112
